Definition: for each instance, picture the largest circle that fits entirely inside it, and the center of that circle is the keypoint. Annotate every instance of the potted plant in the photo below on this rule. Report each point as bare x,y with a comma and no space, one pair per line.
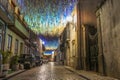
5,60
14,62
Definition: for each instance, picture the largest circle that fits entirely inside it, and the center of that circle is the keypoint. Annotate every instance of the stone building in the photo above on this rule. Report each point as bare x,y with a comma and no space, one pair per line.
62,41
72,45
68,41
90,48
59,56
108,21
98,39
87,35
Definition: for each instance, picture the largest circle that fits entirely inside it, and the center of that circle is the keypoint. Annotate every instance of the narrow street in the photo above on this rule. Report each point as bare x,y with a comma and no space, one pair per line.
50,71
82,35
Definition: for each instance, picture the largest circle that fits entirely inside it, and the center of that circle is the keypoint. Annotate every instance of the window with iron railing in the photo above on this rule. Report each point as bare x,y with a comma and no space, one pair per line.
4,3
21,48
11,9
16,46
9,46
8,8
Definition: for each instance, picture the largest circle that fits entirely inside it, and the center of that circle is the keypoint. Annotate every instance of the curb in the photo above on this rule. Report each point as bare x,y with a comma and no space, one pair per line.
77,73
88,77
13,74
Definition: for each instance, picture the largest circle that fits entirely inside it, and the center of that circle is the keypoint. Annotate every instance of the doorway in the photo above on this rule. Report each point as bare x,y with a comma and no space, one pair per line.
91,48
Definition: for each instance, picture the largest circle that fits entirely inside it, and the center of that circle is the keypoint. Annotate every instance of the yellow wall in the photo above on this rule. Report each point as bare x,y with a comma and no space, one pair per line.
73,48
14,37
20,27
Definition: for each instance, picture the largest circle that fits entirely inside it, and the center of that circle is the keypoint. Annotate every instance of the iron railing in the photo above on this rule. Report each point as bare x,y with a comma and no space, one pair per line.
7,8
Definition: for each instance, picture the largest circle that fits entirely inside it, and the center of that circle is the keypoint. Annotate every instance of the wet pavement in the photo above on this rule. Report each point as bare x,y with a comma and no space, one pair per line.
50,71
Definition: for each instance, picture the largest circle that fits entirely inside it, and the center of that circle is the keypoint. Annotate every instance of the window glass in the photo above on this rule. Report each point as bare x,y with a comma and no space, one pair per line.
9,46
16,46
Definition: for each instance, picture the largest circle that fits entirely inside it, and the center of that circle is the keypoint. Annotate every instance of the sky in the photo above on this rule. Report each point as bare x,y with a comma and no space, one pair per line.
50,42
46,18
49,52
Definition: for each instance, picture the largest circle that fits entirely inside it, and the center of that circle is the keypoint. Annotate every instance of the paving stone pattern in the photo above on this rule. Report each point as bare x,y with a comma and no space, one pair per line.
49,71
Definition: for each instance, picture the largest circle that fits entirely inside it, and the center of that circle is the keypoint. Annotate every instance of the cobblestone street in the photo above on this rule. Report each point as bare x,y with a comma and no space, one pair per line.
48,71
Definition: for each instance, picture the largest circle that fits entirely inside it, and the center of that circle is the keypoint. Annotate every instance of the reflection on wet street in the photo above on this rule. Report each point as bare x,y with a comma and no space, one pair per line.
50,71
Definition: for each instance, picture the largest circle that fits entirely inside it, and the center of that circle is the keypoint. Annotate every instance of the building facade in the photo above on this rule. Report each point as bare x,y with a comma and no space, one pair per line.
87,36
97,36
5,20
2,34
108,21
16,33
90,48
15,36
68,41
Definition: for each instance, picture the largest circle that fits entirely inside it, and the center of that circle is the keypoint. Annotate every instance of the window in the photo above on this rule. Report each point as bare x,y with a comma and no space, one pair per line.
0,41
25,50
21,48
2,26
9,46
16,46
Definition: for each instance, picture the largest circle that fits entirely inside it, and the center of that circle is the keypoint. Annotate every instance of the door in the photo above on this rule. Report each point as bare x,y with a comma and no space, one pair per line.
92,48
93,55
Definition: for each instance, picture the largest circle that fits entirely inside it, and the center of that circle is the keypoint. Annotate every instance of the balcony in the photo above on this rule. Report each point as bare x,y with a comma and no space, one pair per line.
4,3
10,13
19,26
7,10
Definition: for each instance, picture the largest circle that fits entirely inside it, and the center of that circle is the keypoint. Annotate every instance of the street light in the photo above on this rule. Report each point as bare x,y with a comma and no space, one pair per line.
52,52
52,57
43,42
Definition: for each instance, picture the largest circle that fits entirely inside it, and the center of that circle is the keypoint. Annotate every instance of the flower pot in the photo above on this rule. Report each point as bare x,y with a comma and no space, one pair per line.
5,69
5,66
21,66
15,67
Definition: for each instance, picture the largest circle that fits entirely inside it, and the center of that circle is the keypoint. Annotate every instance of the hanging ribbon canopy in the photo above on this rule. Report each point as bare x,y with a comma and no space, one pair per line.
43,16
